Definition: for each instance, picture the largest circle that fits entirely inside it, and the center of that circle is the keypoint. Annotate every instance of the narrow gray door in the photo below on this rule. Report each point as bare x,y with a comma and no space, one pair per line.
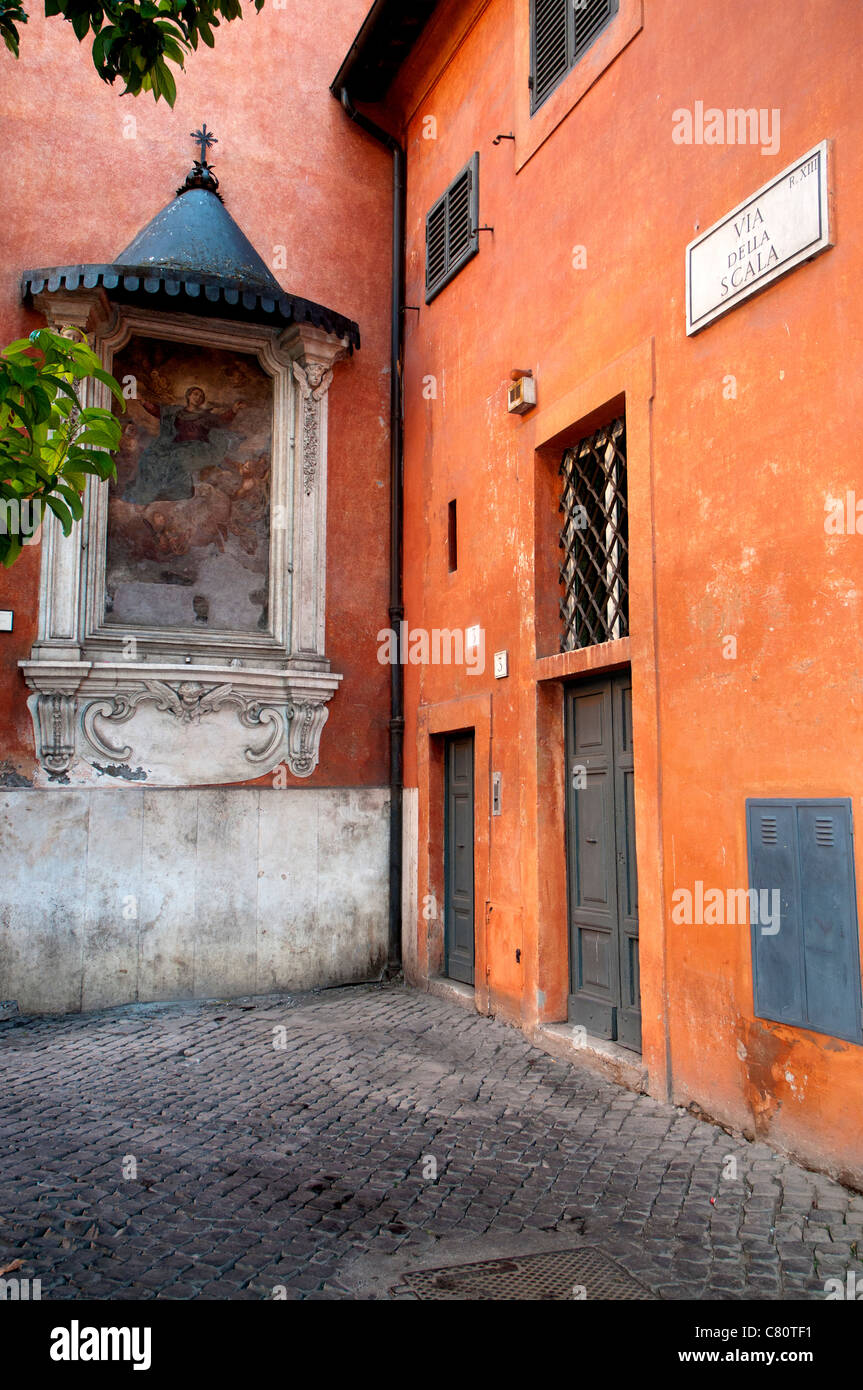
601,866
458,859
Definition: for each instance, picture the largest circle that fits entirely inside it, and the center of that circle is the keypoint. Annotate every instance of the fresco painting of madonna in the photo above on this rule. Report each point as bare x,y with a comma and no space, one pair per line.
188,514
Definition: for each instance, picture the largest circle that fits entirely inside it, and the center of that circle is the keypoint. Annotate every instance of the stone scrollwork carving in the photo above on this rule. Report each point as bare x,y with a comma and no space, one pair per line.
307,720
255,715
189,702
152,725
55,712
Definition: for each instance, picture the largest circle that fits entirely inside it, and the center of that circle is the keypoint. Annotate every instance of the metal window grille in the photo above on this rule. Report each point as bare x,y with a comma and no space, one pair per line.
452,235
594,539
561,31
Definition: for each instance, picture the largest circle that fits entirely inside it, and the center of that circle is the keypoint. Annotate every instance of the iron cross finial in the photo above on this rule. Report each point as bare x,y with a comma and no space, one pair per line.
205,139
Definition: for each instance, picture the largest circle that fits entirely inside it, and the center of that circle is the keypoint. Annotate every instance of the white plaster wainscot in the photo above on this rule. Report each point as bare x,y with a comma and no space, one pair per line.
119,893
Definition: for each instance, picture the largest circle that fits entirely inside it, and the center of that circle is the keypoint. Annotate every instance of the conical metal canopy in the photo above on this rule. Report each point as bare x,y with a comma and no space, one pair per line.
196,236
193,257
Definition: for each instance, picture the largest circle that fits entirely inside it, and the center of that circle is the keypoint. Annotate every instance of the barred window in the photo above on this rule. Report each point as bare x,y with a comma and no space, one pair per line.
561,31
594,539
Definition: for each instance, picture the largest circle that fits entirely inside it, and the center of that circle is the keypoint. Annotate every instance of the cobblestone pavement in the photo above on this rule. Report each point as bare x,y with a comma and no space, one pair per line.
264,1167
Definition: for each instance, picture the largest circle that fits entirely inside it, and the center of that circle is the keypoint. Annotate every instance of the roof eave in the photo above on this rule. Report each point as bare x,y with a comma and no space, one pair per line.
209,293
385,39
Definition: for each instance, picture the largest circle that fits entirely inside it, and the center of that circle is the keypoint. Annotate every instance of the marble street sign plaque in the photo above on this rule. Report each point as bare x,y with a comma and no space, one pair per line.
784,224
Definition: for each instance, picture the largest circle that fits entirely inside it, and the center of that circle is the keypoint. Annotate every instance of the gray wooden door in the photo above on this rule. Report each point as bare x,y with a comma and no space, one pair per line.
458,860
602,875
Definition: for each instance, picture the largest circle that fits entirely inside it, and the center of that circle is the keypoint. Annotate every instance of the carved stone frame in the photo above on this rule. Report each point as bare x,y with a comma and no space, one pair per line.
79,666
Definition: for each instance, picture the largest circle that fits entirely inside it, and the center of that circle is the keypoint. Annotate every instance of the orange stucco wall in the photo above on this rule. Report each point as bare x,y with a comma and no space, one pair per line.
295,173
727,492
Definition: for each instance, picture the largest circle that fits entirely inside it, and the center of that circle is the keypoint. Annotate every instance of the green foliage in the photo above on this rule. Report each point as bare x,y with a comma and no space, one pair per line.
135,39
11,15
48,442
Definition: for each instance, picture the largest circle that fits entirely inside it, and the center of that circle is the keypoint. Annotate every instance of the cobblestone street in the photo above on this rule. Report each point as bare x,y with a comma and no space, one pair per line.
267,1162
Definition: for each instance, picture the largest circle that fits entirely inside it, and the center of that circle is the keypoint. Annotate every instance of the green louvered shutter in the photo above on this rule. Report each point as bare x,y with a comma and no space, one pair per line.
561,31
452,236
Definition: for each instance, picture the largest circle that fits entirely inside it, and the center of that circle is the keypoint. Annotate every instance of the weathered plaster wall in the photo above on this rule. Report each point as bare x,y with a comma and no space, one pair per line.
728,529
111,895
239,890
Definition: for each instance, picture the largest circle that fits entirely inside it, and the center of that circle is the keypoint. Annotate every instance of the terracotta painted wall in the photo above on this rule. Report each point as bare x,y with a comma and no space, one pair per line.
736,544
294,173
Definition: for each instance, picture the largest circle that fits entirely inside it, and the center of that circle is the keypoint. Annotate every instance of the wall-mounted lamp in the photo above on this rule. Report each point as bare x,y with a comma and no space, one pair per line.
521,395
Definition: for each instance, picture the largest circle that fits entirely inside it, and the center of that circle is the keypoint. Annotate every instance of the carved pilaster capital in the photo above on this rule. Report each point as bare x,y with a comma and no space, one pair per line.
89,310
313,346
306,721
313,379
55,715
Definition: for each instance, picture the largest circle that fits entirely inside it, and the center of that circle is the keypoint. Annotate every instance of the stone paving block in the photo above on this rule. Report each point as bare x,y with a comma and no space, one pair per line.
260,1169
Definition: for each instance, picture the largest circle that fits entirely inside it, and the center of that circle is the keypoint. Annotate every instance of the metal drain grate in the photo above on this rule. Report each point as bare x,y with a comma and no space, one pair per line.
558,1275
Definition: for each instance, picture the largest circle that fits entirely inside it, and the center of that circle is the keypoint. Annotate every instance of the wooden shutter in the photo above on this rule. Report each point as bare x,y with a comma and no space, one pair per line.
807,973
589,18
452,237
436,244
560,32
459,226
549,47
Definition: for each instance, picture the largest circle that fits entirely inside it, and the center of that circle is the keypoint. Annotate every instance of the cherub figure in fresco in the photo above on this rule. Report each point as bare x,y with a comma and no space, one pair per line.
190,523
191,436
168,542
126,457
251,503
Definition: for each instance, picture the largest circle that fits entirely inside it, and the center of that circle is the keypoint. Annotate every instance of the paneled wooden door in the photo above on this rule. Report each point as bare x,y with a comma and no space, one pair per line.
458,859
602,876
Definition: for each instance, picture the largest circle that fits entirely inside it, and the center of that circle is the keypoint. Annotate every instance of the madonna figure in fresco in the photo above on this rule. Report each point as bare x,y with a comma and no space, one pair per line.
191,436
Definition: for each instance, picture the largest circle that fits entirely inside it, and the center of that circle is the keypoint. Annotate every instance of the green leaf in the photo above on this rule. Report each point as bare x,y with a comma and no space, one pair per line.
40,417
75,479
169,86
96,462
76,506
60,384
41,469
10,549
101,42
21,408
20,345
98,435
81,25
61,511
12,42
105,377
43,404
